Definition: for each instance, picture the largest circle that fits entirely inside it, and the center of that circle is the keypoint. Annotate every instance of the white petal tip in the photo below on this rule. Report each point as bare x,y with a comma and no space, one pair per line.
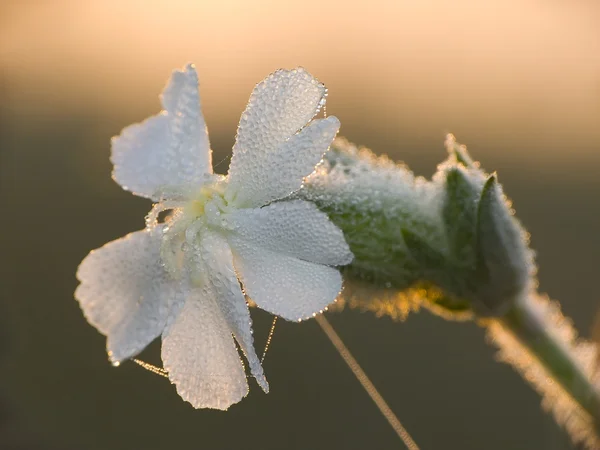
263,384
114,361
334,121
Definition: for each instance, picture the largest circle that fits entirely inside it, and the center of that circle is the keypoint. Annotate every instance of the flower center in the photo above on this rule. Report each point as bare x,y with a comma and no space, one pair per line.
208,203
180,248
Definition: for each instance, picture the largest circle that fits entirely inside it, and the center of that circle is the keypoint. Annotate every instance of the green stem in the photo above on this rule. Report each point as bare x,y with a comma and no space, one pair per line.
531,331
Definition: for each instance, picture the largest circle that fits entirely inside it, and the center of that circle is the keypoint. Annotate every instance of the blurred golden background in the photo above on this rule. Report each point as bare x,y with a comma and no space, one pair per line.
517,81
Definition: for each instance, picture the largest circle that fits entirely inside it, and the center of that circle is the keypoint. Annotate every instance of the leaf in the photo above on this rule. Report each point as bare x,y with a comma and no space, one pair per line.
460,215
503,265
459,152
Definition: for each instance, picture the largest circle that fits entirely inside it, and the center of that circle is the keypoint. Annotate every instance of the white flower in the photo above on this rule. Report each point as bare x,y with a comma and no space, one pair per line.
179,279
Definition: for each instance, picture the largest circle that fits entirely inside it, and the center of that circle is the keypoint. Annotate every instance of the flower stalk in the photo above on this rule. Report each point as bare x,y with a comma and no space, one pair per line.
533,332
452,245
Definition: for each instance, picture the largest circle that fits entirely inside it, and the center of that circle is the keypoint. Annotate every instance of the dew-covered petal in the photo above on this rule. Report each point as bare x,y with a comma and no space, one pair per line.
283,285
168,154
126,293
269,160
221,276
200,355
295,228
281,172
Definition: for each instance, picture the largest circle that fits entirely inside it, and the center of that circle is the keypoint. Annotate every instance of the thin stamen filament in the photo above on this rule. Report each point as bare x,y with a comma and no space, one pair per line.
366,383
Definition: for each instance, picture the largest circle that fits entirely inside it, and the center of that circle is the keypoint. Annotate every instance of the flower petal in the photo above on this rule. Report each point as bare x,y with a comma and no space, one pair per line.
167,154
283,285
126,293
296,228
200,356
221,276
269,159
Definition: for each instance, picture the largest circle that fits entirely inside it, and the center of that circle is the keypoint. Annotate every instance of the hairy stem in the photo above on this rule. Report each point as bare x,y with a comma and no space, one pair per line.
558,359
